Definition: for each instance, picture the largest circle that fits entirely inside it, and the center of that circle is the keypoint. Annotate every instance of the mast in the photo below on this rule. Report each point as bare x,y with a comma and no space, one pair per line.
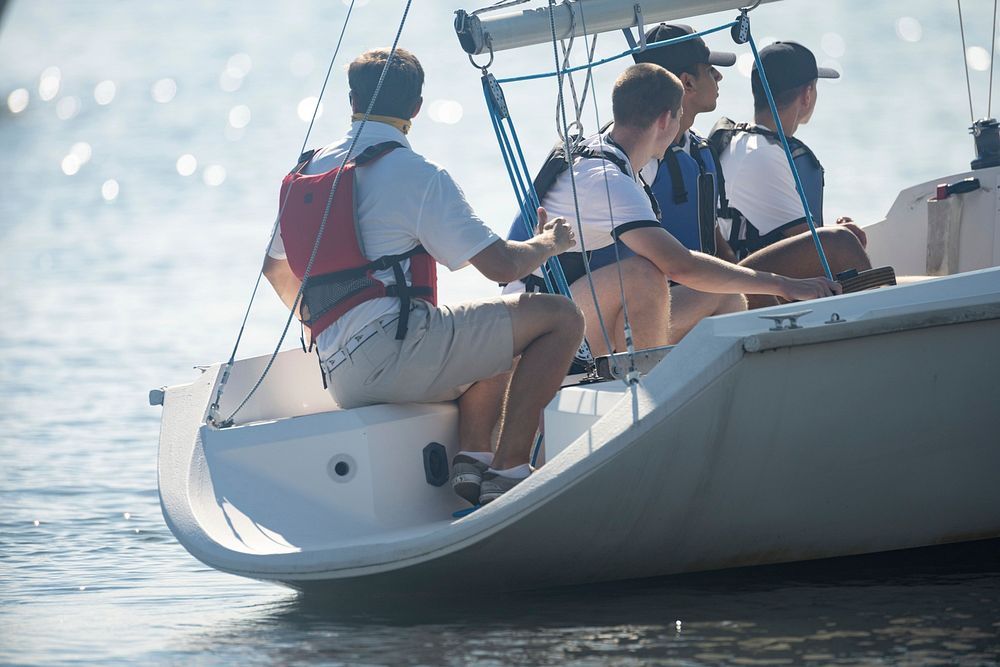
511,30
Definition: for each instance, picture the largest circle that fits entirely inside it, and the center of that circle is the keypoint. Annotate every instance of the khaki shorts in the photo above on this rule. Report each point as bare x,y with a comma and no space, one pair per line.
445,350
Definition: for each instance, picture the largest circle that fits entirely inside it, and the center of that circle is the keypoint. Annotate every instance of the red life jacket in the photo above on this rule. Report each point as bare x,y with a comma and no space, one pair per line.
341,277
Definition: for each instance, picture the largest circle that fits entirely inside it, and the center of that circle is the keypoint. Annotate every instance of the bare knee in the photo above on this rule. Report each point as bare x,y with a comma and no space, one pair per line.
732,303
539,314
843,248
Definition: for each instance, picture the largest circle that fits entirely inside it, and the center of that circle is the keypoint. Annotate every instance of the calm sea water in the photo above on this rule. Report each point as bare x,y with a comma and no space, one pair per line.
140,149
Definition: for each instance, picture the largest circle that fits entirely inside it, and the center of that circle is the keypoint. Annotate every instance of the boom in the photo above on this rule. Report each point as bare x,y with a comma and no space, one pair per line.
511,30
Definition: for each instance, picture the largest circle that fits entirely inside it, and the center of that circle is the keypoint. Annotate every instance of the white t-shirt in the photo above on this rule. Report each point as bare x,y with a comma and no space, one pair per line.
609,199
402,200
759,183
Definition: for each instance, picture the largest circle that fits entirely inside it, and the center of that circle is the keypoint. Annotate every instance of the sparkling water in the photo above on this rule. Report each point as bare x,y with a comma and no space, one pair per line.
142,146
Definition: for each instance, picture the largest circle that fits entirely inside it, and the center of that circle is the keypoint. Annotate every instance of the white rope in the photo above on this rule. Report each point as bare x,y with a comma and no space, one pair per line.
213,409
329,203
993,53
629,342
572,179
965,61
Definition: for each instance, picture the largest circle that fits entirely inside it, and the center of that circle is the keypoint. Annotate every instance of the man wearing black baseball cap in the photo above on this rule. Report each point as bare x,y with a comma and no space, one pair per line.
685,180
766,224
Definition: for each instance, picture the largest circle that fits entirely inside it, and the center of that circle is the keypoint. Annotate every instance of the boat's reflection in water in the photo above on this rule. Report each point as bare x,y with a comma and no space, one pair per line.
927,606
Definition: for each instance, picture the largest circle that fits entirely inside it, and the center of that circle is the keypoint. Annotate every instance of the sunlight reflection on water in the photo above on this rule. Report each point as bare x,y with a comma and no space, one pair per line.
123,276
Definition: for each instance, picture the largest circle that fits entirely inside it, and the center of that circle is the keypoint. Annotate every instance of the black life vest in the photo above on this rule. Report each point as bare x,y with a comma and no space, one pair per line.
743,235
341,276
553,167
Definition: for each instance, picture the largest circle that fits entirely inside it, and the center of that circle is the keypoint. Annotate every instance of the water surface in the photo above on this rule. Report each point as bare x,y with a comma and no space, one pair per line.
124,265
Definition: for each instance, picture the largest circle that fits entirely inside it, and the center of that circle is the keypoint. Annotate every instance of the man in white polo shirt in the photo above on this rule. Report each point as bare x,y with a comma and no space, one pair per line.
369,300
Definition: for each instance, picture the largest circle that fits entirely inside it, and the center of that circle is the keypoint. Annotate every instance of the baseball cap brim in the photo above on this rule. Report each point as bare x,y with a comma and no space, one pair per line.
723,59
827,73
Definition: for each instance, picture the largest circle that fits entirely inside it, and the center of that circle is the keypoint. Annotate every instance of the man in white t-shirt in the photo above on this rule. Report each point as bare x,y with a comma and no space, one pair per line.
374,353
619,224
696,67
774,233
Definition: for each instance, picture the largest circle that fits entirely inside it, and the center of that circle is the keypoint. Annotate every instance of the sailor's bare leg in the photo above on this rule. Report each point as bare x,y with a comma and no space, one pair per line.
796,257
688,307
547,332
479,410
648,302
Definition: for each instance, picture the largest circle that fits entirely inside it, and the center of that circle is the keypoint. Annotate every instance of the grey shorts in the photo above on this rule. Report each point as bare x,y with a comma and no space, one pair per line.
445,350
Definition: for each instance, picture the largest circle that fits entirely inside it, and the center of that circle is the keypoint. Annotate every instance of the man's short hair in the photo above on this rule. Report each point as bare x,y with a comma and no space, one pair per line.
400,90
782,100
643,93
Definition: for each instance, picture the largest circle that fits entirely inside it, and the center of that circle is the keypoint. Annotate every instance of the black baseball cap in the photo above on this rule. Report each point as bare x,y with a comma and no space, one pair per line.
676,57
788,65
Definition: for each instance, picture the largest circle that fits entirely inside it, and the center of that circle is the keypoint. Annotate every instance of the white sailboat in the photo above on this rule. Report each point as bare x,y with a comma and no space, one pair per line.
855,424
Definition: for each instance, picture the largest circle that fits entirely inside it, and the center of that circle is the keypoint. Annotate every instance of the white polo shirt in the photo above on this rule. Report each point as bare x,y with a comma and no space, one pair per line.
759,183
402,200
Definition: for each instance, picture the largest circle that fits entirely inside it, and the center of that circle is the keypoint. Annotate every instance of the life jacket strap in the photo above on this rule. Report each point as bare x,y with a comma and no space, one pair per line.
303,160
680,194
375,151
324,292
533,283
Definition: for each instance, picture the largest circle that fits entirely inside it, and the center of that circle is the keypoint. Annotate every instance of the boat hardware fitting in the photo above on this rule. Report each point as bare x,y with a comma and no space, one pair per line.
741,31
791,318
156,396
484,68
499,101
640,26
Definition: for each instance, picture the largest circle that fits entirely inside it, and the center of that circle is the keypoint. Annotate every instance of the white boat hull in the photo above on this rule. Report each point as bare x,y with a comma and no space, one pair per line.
743,447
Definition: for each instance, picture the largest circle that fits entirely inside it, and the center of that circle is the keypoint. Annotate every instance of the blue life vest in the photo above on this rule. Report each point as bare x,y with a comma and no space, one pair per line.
688,188
744,237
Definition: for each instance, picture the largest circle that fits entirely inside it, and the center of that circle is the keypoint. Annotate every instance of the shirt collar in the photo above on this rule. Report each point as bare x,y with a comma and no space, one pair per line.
375,133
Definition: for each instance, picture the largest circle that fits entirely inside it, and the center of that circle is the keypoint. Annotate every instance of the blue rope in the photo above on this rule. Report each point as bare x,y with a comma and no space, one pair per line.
526,217
623,54
791,160
527,201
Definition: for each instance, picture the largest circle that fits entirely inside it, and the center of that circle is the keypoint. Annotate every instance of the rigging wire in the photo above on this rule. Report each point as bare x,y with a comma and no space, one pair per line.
326,213
791,160
965,60
629,342
274,228
993,53
578,101
572,180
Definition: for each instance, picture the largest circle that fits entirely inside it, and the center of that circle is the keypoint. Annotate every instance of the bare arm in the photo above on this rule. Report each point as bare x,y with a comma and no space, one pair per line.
722,249
506,261
284,282
710,274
